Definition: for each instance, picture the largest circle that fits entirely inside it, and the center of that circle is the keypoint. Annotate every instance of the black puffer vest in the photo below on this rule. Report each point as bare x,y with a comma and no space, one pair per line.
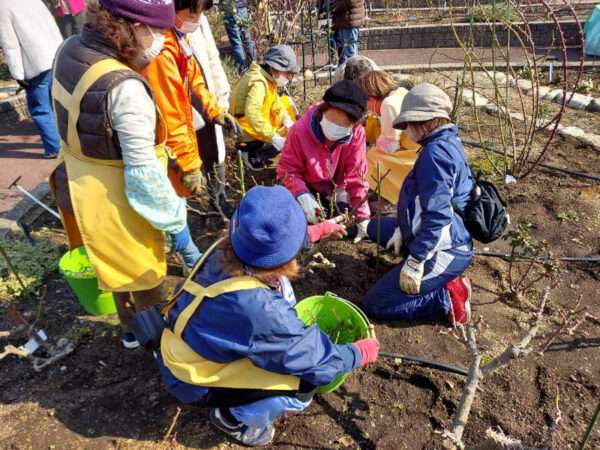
97,137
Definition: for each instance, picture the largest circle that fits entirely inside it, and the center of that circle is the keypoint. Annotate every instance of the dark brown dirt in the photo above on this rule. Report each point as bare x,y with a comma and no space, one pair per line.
103,397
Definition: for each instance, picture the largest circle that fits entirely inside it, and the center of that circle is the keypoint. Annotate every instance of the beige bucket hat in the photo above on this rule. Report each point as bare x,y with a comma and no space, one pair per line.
423,102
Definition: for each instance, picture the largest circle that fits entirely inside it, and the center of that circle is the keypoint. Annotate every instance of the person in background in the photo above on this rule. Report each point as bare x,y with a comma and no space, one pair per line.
394,152
237,344
237,27
177,81
347,17
324,161
265,116
30,38
112,190
69,16
354,68
212,147
428,231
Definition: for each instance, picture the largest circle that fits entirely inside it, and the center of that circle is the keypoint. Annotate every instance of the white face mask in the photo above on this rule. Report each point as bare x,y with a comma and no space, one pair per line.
411,134
281,81
157,45
333,131
188,27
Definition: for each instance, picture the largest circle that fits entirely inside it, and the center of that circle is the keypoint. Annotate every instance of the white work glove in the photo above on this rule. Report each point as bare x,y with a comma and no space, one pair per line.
411,276
341,195
287,122
361,228
311,208
278,142
395,242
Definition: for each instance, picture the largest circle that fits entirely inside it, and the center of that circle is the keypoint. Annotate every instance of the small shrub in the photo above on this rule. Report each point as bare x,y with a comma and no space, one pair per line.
568,216
32,262
501,12
586,87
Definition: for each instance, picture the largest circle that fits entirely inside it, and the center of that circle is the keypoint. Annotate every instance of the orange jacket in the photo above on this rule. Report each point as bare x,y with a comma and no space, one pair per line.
173,76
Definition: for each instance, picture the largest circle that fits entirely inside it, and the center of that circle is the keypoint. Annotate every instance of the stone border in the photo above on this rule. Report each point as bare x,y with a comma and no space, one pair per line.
8,221
442,35
479,101
13,109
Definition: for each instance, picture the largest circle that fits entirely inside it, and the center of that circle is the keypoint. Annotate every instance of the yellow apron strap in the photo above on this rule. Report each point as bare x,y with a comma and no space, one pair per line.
72,102
190,277
214,290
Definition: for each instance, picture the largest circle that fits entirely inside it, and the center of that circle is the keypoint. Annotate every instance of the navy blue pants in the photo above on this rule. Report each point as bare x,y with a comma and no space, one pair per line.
386,301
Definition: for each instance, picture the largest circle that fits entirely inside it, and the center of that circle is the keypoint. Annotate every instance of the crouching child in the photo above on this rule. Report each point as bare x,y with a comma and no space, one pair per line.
429,230
233,340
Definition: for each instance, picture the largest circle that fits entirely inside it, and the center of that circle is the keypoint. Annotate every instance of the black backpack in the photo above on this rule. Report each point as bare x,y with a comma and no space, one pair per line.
485,215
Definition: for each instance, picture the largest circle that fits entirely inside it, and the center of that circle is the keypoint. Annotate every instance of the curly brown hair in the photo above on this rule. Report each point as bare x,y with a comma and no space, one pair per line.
118,31
236,268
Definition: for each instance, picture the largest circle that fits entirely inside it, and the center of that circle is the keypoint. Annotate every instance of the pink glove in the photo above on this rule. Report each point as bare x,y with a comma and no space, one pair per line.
368,349
325,229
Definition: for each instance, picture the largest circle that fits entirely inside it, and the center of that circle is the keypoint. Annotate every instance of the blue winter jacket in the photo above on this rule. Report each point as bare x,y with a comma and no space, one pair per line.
439,183
259,324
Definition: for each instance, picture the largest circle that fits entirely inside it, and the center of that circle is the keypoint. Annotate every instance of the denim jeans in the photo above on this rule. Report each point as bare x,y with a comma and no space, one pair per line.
40,108
345,41
191,254
264,412
238,30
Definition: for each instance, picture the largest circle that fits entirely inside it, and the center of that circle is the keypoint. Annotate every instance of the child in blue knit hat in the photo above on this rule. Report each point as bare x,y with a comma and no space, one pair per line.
234,341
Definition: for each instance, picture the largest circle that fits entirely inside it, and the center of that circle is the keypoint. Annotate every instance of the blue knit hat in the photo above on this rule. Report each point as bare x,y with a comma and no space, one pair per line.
268,228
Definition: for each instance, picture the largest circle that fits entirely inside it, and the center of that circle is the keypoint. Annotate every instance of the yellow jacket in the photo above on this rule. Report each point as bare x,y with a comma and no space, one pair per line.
174,76
257,106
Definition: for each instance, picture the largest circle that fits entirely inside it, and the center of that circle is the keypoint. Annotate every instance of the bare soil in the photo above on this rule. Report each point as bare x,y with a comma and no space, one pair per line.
104,397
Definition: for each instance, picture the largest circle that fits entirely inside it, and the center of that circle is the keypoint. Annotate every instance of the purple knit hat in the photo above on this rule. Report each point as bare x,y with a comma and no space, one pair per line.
156,13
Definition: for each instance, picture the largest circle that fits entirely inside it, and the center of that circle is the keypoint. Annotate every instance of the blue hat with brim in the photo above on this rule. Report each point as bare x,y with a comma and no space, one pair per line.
268,229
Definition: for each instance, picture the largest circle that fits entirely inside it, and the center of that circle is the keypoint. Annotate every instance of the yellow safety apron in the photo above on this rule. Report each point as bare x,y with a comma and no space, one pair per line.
127,253
399,163
188,366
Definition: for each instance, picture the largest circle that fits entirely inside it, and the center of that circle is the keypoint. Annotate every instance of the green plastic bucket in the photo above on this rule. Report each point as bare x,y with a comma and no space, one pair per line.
338,317
81,276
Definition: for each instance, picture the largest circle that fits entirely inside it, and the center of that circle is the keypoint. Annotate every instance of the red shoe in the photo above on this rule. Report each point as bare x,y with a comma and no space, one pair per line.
459,290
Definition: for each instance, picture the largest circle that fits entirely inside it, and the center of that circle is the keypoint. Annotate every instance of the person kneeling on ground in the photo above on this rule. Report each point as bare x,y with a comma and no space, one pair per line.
394,151
428,284
233,340
264,116
325,157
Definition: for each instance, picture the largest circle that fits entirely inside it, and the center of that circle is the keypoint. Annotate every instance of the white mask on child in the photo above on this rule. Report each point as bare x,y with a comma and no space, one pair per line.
281,81
156,47
411,134
188,27
333,131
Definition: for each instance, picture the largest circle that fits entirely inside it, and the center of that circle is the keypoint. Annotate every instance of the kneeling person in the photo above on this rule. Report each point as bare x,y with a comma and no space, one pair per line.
265,116
234,341
428,284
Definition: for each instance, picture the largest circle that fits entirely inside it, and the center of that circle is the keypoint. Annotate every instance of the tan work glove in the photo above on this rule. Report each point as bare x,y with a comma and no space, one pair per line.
228,122
194,181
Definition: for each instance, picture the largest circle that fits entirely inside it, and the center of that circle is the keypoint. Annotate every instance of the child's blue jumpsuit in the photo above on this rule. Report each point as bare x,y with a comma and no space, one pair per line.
262,325
439,185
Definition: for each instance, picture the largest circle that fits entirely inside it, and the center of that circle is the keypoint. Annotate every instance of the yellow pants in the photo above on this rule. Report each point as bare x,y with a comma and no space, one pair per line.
398,163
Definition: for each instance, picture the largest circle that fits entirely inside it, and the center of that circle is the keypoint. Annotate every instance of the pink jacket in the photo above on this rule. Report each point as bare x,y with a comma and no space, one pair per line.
308,165
76,7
